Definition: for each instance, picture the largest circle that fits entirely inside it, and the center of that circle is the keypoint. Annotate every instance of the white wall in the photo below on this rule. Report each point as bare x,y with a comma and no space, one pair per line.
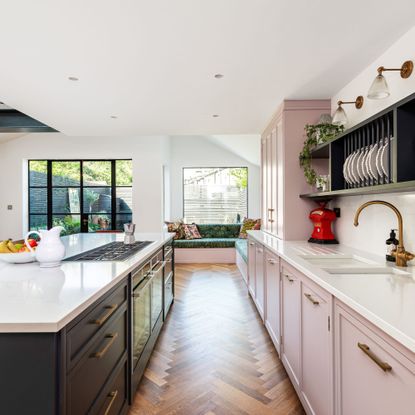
149,154
376,221
200,151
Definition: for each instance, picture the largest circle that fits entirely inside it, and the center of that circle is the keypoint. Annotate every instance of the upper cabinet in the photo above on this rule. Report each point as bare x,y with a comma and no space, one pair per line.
283,213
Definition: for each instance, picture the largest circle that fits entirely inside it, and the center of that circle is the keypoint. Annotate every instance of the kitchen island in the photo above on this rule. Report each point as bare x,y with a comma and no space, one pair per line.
76,339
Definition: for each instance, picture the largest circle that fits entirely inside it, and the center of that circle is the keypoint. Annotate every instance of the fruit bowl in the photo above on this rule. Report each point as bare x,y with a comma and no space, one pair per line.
19,252
18,257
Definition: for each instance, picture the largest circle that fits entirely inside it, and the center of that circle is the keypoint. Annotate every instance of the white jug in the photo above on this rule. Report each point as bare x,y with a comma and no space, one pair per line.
50,250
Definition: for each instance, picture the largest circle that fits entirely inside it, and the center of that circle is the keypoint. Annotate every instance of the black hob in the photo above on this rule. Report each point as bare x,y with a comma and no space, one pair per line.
114,251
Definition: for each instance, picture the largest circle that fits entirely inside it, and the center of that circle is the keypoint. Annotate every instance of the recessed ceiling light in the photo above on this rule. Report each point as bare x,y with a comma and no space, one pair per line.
114,117
73,78
219,76
215,115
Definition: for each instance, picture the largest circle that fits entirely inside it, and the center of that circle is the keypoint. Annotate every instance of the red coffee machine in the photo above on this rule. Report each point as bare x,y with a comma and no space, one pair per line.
322,219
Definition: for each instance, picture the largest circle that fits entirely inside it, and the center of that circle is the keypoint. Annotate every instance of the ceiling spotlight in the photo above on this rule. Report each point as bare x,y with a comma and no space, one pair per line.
379,88
73,78
340,117
215,115
219,76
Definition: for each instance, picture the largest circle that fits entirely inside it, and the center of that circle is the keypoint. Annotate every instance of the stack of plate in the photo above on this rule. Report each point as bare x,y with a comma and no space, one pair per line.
367,165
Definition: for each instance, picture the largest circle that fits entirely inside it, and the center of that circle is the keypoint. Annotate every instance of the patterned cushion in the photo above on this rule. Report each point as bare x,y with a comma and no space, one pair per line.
241,246
228,230
176,227
206,243
248,225
191,232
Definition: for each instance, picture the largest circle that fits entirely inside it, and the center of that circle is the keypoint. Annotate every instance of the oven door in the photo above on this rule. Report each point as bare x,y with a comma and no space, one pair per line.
141,317
157,292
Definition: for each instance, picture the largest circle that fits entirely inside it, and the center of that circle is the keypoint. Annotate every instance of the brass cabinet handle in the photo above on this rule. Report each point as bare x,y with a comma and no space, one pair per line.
289,278
100,321
386,367
251,243
272,261
270,215
113,395
101,353
162,265
310,297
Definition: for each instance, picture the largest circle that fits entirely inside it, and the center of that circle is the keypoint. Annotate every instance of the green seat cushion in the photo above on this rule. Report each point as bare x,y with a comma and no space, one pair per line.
206,243
228,230
241,246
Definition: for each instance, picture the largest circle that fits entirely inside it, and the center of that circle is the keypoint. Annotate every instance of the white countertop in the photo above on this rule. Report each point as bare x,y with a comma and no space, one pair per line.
34,299
387,301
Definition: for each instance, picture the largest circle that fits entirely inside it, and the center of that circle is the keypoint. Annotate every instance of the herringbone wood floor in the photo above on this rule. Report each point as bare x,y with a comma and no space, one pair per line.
214,356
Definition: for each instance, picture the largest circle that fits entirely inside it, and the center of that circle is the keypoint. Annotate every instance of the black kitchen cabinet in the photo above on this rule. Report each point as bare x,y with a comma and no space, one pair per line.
86,368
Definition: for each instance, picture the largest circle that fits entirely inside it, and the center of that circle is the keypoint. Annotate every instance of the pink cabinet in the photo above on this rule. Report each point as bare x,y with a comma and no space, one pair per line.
272,298
251,266
259,280
291,306
373,374
316,349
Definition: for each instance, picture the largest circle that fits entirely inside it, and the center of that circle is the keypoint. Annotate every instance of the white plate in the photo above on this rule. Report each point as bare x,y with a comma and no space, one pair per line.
345,169
359,165
18,258
349,164
371,162
353,168
378,160
364,163
384,160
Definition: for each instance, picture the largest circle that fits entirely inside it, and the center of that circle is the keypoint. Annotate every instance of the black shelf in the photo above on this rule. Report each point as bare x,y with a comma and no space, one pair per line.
379,189
322,151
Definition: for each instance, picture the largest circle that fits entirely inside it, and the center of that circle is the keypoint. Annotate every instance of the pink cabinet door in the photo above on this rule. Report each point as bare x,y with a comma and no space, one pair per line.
264,184
372,377
259,280
272,300
270,189
251,266
316,350
274,183
291,292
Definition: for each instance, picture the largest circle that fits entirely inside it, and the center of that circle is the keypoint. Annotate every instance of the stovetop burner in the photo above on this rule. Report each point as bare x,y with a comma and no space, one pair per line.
114,251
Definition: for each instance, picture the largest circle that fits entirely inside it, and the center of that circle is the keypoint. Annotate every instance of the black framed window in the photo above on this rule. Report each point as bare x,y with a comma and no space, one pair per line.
215,195
80,195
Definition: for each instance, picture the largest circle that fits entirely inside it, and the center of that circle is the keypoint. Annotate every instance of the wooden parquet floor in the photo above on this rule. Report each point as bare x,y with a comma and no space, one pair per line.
214,356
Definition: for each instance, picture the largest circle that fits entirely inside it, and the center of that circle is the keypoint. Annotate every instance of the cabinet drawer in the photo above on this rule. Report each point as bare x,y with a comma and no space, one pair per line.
168,294
169,262
372,377
115,395
91,373
90,324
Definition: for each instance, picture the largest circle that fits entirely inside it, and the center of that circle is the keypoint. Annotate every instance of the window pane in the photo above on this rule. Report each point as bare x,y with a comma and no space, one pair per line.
66,200
124,172
38,201
121,220
99,222
71,223
97,200
37,222
97,173
38,173
124,199
66,173
215,195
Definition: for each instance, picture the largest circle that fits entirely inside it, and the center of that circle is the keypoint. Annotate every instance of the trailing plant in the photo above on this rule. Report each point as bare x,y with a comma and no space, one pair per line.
316,134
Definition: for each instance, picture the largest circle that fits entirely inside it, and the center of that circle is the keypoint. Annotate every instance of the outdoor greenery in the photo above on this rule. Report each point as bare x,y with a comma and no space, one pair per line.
316,134
241,176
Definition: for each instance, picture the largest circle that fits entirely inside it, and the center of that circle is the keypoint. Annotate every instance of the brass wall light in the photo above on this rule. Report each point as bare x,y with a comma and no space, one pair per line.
379,88
339,116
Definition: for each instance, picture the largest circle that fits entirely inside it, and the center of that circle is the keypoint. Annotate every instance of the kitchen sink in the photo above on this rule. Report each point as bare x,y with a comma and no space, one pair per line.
378,271
333,261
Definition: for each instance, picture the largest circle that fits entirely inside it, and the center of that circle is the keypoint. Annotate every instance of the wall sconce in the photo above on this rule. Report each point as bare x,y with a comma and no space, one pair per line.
379,88
340,117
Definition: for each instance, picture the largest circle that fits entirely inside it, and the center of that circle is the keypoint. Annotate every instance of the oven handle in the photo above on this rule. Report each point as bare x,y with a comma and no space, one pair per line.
138,292
162,265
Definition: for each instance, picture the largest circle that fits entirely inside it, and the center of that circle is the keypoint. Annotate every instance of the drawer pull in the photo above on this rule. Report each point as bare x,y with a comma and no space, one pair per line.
386,367
100,321
113,395
289,278
272,261
101,353
310,297
251,243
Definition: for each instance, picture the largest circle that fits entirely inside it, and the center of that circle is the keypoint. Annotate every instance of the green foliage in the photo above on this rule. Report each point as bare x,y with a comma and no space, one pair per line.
241,176
70,224
316,134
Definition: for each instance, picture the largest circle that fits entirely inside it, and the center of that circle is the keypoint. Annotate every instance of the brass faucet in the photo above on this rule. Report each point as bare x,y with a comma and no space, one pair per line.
402,256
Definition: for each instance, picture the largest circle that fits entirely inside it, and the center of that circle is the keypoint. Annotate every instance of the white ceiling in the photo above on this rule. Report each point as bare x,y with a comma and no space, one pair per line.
151,63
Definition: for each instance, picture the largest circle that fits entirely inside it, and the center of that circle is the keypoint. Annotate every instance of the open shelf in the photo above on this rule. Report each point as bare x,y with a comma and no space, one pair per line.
382,188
